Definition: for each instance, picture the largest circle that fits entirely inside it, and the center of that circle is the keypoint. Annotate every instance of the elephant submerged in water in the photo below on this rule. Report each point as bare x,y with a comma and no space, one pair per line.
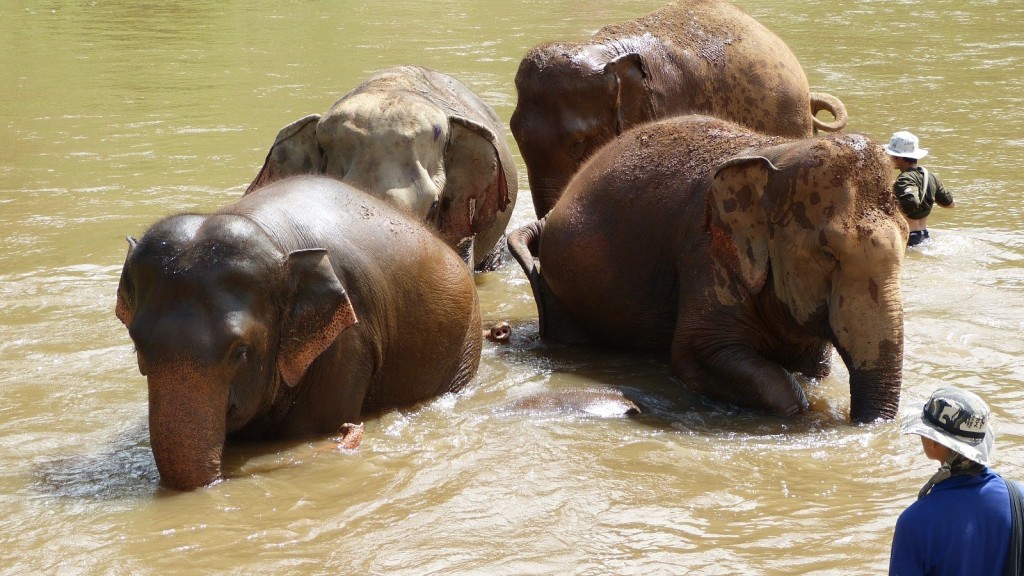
421,140
690,57
288,314
743,257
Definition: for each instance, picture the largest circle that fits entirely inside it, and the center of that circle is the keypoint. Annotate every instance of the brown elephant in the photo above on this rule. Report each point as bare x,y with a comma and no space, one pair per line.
690,57
287,314
419,139
742,256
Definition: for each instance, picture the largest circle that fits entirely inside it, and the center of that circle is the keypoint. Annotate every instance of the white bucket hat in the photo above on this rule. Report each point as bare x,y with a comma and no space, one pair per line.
957,419
905,145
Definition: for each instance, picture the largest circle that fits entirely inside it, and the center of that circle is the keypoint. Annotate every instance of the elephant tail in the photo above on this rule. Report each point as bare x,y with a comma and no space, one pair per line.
554,322
834,106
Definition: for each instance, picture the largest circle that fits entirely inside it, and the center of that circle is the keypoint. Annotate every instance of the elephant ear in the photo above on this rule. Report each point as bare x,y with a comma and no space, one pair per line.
632,104
739,212
125,307
295,151
319,310
477,185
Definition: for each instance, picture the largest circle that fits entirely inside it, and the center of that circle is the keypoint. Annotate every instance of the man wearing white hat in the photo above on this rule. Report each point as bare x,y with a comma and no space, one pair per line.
965,520
916,189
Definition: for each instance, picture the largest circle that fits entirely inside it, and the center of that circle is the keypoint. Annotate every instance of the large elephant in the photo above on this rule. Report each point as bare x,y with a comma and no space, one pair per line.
288,314
742,256
421,140
690,57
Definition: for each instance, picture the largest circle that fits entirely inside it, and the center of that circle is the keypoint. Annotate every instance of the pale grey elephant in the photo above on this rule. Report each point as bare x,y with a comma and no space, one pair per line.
422,141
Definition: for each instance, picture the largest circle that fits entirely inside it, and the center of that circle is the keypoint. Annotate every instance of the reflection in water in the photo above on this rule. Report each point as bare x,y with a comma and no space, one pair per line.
122,470
119,114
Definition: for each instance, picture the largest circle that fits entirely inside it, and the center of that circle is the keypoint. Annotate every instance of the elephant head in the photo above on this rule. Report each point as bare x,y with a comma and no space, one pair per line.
224,326
420,141
572,99
811,225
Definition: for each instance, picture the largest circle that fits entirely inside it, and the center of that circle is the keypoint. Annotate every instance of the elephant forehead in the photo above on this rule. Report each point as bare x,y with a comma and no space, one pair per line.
399,113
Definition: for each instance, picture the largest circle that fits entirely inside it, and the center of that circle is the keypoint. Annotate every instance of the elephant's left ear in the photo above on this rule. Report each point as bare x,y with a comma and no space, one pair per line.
737,219
631,91
465,161
319,310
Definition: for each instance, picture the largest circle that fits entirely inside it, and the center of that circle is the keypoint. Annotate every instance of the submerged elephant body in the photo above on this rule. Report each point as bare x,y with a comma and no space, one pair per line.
743,257
690,57
419,139
288,314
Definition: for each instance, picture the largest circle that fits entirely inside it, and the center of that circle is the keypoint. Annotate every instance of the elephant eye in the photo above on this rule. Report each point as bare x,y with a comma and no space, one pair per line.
240,352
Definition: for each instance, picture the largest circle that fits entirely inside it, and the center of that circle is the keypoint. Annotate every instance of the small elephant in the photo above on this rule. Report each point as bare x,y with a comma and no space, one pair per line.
421,140
743,257
690,57
289,314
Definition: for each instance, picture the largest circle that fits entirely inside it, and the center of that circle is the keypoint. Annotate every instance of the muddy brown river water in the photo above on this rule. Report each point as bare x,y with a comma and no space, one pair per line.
116,113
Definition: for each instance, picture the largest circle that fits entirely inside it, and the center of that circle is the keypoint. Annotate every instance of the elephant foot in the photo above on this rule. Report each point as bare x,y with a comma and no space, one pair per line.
500,332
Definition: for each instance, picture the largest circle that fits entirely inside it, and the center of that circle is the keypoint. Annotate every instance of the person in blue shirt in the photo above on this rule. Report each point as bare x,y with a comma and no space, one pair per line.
961,522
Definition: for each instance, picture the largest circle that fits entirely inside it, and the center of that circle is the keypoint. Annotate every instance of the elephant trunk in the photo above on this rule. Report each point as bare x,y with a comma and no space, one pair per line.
874,394
187,416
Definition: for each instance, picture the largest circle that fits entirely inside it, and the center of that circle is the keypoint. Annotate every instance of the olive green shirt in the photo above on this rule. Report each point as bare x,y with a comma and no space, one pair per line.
908,191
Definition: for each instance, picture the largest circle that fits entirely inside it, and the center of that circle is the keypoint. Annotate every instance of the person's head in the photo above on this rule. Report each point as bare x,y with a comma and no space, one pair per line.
905,149
953,420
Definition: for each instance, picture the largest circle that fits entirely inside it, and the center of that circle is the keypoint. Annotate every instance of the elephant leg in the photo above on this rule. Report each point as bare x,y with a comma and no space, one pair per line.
815,363
737,374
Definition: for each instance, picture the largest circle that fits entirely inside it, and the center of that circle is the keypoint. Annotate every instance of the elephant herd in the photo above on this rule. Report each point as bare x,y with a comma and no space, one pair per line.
685,207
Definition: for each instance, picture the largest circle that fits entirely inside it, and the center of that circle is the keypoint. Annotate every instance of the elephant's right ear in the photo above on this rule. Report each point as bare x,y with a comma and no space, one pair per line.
125,307
295,151
318,311
737,220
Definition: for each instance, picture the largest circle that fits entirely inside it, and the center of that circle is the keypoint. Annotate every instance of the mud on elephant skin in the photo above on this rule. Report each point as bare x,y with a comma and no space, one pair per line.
419,139
689,57
288,314
743,257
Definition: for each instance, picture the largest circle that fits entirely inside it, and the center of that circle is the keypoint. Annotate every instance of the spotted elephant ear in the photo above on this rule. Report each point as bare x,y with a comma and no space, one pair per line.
319,310
739,212
477,185
295,151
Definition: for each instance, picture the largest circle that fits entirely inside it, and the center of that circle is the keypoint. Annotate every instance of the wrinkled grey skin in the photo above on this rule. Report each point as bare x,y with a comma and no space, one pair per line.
419,139
743,257
287,314
689,57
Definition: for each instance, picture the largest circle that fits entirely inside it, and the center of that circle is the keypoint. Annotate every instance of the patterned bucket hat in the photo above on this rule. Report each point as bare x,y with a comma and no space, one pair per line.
957,419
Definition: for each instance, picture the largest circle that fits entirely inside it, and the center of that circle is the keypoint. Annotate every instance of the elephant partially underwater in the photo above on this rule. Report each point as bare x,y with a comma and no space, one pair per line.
689,57
743,257
288,314
421,140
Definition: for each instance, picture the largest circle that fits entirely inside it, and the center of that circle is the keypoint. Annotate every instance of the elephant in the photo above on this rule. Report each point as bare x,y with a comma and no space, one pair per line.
289,314
601,402
689,57
421,140
740,258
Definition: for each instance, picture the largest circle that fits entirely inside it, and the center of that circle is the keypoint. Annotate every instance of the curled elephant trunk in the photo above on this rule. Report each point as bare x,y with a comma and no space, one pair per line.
822,101
186,430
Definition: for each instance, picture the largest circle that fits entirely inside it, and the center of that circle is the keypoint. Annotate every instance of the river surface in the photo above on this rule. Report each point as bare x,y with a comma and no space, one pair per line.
114,114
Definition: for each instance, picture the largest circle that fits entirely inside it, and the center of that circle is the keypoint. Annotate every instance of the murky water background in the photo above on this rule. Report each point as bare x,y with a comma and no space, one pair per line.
114,114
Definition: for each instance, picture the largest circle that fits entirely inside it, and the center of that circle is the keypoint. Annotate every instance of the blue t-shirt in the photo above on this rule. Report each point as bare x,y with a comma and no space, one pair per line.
962,527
